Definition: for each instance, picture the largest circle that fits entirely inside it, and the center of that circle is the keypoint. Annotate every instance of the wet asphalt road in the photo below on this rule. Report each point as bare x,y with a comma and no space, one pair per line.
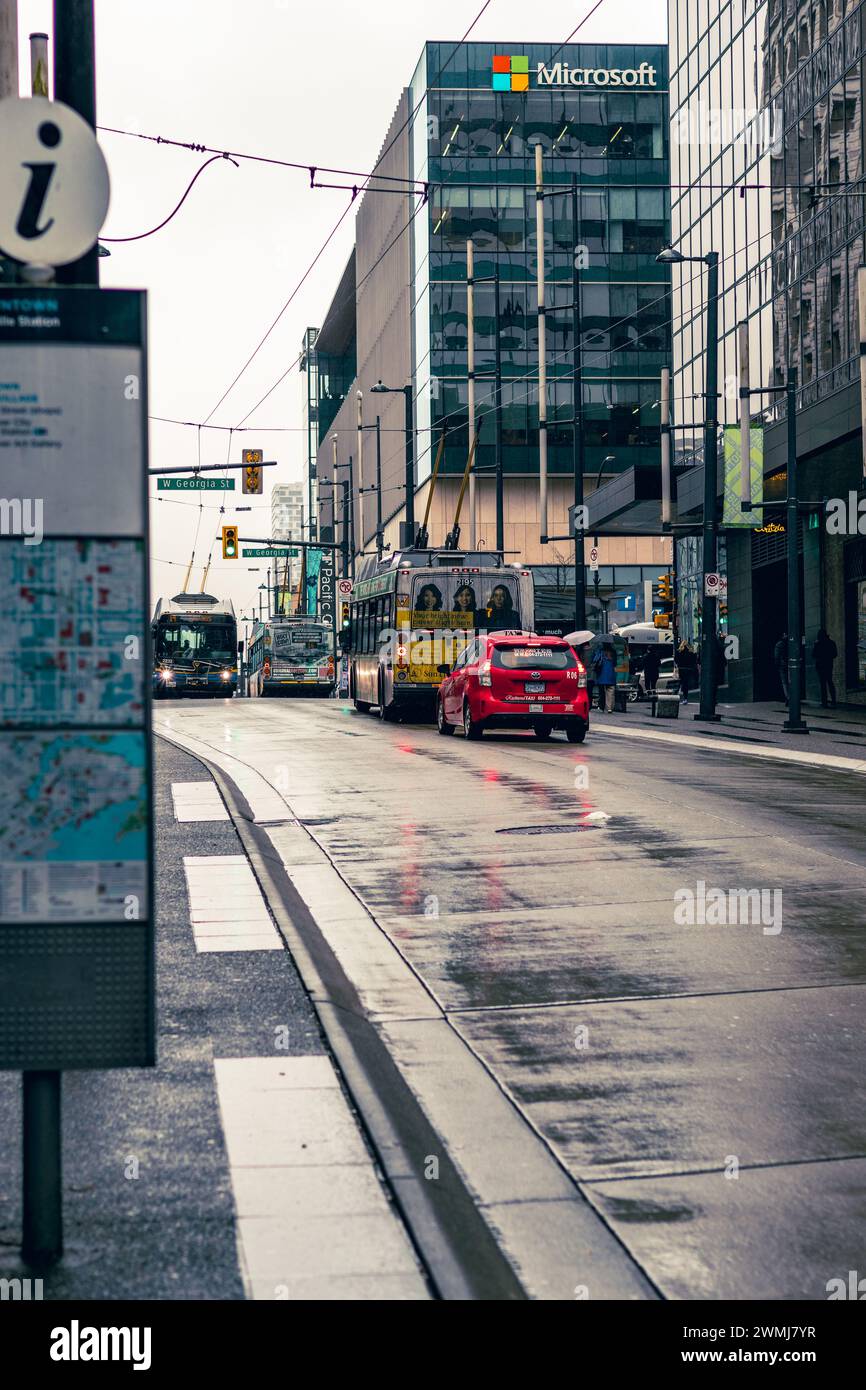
702,1083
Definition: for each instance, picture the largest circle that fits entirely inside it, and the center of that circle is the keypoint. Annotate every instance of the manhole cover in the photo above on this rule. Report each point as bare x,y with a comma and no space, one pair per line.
545,829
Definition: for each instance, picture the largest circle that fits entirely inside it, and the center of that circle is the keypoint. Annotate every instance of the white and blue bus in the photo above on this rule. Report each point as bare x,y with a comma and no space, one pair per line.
195,646
290,655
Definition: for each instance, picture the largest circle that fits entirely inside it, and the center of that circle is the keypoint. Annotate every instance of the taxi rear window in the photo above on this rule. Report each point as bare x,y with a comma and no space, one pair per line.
534,658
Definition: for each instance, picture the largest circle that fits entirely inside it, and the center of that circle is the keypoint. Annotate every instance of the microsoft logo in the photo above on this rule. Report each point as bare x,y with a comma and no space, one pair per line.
510,72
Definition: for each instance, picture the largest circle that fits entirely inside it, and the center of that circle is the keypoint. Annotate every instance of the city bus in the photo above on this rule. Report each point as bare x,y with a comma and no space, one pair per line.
290,655
413,612
195,646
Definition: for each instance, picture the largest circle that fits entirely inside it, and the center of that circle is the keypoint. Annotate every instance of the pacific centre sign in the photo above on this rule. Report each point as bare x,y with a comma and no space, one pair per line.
511,74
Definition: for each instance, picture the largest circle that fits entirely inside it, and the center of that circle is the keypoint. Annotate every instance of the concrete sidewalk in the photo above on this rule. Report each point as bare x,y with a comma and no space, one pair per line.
840,732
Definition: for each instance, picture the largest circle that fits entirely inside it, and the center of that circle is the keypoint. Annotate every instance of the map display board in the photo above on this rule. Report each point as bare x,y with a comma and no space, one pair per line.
73,827
76,834
73,637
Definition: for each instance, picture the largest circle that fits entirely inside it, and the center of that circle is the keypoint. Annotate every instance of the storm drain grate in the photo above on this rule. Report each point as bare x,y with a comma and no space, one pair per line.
545,829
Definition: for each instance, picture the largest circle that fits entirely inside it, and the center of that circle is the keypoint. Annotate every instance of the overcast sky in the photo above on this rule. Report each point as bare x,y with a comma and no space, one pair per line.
289,79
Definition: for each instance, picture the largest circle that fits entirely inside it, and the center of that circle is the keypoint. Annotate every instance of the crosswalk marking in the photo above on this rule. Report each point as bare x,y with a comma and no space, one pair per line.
227,910
197,801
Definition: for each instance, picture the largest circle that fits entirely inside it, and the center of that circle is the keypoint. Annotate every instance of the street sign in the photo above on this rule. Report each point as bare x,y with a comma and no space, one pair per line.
270,553
76,890
711,585
593,559
723,587
345,587
196,484
54,180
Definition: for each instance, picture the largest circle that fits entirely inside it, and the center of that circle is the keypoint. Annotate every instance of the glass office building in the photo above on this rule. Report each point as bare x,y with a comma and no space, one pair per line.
481,113
465,135
766,169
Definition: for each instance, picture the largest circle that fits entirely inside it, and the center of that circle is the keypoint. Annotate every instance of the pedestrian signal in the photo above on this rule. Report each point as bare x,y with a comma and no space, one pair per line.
230,542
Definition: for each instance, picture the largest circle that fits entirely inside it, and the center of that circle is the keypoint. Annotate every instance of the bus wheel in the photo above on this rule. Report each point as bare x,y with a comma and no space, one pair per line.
387,713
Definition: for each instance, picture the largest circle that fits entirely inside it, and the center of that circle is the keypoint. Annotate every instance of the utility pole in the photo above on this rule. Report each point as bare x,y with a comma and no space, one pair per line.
470,382
542,351
379,536
497,439
345,490
577,415
709,603
8,48
410,464
75,84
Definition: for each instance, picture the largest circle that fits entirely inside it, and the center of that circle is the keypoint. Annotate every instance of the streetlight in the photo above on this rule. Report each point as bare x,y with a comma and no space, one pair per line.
669,255
608,458
348,489
381,389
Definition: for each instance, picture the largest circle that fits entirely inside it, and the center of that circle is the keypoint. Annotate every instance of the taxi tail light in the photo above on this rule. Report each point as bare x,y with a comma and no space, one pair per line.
484,677
581,676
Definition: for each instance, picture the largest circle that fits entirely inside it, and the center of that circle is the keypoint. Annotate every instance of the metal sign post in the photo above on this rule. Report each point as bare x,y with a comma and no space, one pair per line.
76,890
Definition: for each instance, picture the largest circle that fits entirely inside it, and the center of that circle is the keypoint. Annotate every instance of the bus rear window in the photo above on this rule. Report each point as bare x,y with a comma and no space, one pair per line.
534,658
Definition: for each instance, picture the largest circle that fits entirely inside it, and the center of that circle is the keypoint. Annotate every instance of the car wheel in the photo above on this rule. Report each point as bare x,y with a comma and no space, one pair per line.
441,722
470,728
576,733
542,732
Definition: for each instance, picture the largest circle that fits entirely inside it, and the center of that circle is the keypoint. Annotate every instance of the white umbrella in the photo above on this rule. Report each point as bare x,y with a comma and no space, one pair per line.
578,639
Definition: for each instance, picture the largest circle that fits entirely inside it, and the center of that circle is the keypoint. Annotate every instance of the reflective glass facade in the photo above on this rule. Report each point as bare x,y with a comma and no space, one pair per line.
766,158
477,140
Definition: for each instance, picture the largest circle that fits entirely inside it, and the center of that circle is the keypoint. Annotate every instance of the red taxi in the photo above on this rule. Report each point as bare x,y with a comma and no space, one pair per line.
518,681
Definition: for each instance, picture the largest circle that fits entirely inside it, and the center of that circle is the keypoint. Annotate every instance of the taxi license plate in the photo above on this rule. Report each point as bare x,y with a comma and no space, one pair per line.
534,687
536,709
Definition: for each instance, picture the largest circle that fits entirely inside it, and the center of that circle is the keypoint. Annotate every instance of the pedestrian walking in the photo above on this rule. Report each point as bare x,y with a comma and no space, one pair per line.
604,669
780,657
687,669
824,654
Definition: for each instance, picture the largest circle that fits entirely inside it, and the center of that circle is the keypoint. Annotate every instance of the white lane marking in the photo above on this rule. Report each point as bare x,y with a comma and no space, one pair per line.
197,801
751,750
312,1218
226,907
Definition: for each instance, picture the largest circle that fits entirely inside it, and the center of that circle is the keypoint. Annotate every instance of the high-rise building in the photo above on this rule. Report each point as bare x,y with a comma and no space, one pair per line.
458,162
767,140
288,511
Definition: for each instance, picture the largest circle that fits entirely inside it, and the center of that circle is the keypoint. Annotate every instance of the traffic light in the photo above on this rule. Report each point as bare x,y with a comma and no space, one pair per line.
661,619
344,613
252,473
665,588
230,542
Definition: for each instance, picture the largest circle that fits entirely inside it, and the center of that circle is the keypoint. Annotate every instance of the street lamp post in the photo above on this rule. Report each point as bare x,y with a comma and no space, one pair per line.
709,624
577,427
381,389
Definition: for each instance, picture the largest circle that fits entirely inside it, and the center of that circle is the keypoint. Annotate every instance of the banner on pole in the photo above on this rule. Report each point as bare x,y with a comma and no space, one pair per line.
733,514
